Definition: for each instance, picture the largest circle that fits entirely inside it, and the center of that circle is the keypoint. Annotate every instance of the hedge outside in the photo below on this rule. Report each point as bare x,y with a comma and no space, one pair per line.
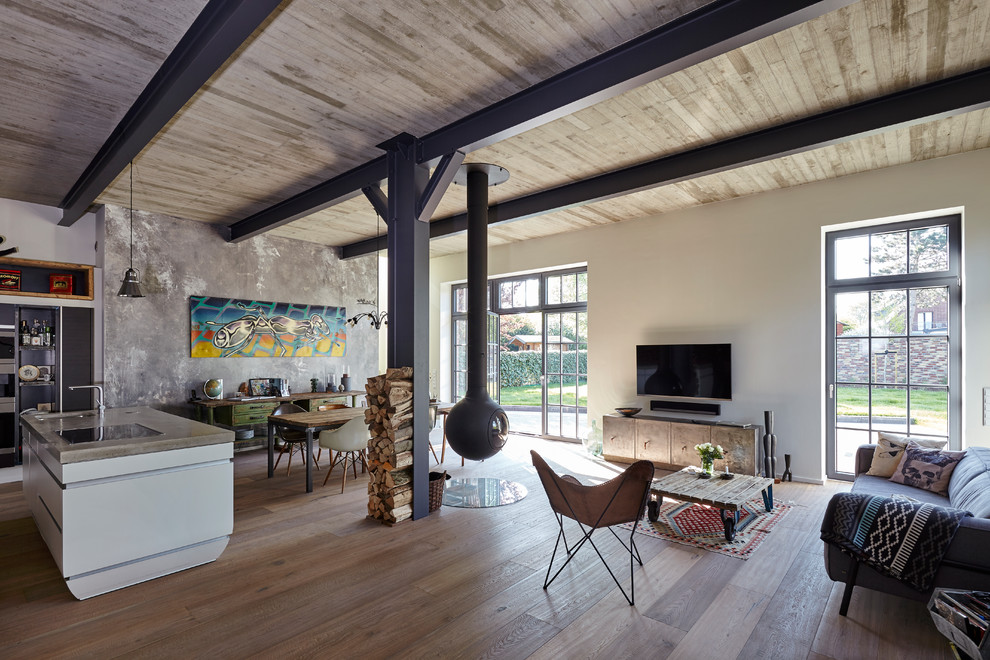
524,368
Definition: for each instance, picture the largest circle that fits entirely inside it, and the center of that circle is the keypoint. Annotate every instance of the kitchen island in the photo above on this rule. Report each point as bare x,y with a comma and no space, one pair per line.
129,496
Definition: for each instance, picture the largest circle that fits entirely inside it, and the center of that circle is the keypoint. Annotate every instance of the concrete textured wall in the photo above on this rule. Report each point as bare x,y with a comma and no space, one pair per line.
147,358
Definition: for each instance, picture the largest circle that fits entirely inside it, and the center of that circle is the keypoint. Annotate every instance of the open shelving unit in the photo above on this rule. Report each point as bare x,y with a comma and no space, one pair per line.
35,278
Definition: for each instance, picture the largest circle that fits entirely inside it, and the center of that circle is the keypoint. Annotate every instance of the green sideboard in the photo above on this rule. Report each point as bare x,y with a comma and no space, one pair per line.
243,414
237,412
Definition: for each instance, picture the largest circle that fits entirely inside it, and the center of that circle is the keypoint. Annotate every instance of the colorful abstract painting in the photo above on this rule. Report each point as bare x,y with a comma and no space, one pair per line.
226,327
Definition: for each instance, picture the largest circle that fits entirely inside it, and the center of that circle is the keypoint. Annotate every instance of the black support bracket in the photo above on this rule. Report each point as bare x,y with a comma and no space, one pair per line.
378,200
439,182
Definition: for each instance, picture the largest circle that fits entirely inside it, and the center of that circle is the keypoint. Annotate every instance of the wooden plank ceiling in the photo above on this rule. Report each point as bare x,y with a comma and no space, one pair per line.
320,84
68,73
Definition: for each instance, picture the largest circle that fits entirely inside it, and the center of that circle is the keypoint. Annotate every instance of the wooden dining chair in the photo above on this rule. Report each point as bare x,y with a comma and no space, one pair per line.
619,500
291,439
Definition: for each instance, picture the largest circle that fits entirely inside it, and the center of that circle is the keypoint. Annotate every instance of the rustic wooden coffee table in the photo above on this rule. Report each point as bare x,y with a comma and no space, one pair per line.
727,494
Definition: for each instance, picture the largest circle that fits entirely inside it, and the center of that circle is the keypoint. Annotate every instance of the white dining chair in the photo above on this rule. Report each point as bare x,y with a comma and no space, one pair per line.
349,441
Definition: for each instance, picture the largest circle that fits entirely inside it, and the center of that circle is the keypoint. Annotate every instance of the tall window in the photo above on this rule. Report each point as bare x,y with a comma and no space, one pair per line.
893,321
537,351
459,344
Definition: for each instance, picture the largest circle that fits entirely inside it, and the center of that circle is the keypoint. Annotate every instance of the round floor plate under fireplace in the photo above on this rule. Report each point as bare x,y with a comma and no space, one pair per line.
482,492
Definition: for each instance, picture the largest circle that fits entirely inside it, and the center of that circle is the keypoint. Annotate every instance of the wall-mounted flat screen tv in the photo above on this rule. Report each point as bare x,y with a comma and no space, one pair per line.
701,371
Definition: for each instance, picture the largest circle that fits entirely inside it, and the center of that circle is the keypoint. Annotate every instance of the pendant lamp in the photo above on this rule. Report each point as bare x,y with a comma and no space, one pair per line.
130,286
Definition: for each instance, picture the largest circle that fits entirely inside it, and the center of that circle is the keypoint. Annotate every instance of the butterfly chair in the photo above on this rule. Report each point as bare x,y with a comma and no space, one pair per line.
619,500
349,441
290,439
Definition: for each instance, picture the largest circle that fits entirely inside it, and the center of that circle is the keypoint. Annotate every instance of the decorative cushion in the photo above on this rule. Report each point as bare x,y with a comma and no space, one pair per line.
969,488
889,449
928,469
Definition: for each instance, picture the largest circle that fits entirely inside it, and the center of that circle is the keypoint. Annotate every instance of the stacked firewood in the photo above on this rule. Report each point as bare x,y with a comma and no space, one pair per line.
390,456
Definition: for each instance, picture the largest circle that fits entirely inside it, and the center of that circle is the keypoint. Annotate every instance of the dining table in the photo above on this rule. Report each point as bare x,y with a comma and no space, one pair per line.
443,409
310,422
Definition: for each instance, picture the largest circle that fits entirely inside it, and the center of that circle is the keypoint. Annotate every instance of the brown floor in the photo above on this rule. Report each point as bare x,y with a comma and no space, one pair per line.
309,576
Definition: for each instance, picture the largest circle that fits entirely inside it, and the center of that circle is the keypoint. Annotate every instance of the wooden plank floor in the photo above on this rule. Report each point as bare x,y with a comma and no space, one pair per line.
309,576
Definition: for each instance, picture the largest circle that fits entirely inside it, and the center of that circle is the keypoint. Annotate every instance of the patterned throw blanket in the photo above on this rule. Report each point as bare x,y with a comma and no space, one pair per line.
900,538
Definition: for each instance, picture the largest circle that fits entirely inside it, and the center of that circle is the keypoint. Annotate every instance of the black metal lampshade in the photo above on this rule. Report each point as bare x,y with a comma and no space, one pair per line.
130,287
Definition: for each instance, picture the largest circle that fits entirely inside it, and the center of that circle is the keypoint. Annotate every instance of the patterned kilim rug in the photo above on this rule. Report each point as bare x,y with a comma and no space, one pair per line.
700,526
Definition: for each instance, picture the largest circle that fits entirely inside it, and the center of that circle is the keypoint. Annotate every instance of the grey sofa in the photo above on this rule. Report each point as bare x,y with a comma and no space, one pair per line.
966,564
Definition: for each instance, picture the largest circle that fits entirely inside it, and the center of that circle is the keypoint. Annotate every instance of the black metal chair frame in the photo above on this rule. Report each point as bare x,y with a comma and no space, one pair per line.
291,440
586,537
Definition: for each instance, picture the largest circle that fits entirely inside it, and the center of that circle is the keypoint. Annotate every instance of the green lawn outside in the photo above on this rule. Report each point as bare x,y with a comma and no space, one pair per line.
529,395
928,408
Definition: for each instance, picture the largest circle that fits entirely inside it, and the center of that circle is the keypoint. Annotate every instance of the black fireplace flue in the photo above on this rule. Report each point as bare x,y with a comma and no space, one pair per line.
477,427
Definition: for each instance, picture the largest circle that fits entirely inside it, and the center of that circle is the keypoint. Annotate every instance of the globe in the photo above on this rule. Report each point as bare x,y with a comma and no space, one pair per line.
213,388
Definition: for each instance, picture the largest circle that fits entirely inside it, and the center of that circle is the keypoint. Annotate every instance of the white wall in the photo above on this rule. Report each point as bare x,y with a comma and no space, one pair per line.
34,230
749,272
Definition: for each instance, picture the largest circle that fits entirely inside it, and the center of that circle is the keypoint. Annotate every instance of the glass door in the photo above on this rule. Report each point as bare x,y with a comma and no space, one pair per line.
893,319
493,361
565,382
521,375
539,375
459,363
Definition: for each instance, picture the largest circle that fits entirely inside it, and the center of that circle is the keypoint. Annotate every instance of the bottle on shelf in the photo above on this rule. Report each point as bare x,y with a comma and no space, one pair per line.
46,334
36,333
25,333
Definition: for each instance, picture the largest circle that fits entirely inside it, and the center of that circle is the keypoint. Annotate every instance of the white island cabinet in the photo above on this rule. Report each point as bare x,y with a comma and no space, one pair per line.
128,497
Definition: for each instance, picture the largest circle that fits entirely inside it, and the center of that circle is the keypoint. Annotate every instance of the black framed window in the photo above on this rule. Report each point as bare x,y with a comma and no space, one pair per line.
558,290
893,322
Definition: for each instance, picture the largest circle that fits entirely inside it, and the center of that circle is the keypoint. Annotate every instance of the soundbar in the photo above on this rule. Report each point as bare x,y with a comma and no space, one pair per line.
687,407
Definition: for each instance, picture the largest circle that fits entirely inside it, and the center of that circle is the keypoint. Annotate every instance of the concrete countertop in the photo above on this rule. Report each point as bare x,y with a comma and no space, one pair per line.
176,433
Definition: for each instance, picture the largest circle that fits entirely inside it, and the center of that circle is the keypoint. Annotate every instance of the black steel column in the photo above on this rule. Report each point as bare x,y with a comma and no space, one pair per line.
409,297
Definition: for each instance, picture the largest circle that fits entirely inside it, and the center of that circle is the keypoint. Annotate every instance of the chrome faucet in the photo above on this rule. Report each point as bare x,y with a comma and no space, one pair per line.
99,389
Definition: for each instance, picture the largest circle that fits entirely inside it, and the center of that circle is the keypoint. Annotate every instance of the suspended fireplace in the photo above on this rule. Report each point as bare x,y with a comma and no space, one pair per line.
477,427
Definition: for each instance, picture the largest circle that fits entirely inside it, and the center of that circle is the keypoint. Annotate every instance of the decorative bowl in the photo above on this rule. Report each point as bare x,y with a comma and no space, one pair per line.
628,412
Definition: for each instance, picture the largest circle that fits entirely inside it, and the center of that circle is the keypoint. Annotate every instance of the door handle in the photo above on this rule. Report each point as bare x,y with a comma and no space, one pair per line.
831,390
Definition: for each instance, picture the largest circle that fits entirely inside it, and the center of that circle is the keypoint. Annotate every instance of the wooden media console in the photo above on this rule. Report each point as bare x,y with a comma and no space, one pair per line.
669,443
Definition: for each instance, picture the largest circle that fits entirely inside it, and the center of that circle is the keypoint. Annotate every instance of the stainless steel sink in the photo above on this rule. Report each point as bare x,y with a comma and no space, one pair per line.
99,433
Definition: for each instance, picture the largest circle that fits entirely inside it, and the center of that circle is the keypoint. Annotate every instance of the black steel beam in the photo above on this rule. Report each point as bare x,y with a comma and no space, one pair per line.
338,189
952,96
711,30
219,30
369,245
715,28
